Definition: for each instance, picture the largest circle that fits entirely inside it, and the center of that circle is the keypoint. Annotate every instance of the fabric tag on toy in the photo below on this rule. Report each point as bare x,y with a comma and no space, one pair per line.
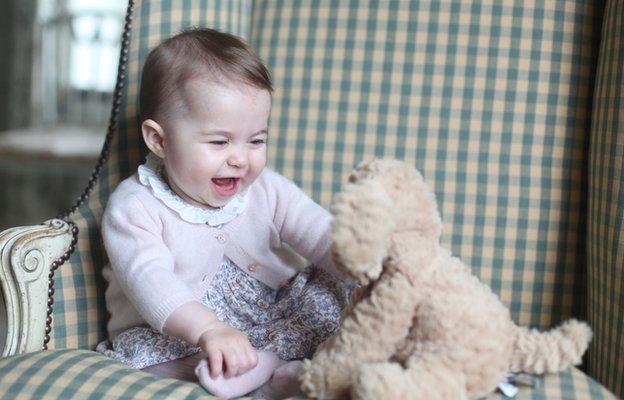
509,385
508,389
524,379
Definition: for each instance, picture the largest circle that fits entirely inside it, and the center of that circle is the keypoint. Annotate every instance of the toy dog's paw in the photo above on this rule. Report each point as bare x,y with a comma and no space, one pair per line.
324,380
312,379
378,381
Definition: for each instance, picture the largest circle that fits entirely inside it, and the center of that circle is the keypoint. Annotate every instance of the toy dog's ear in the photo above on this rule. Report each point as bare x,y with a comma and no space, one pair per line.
361,229
413,200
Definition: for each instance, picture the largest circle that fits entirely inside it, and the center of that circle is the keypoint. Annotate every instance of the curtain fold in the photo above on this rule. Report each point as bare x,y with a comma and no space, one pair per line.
605,239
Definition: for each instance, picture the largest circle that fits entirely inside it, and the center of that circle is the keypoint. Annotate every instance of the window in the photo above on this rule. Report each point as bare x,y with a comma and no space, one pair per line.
77,45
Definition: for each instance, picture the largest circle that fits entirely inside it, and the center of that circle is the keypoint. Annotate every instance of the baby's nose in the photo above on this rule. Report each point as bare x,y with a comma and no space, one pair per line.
238,157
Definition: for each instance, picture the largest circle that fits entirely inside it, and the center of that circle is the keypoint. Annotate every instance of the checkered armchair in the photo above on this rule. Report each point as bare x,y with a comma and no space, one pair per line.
512,111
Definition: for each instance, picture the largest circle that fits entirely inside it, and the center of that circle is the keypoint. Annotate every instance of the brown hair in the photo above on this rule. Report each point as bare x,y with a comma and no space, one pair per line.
220,56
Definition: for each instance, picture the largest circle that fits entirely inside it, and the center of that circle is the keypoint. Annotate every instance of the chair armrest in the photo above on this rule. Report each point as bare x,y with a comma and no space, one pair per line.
26,281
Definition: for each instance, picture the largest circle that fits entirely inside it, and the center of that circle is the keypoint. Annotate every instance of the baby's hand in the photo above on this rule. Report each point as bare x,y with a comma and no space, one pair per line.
226,345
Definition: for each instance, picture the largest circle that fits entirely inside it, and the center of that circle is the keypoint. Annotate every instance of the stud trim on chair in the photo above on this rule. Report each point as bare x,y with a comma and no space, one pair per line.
55,264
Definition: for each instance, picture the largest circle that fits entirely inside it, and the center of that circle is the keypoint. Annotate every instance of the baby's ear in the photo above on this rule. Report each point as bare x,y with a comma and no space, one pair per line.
361,229
154,137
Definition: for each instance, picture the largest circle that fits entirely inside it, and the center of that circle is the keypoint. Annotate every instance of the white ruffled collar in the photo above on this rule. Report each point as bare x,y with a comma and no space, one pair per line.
150,175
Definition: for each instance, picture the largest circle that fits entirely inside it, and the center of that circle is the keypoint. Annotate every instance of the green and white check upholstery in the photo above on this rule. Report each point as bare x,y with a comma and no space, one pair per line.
511,110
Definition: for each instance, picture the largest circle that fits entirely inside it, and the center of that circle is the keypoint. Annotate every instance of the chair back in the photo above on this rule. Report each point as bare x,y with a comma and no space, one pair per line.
489,100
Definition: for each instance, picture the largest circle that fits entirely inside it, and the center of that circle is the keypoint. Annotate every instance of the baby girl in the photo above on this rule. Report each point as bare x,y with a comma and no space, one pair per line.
195,288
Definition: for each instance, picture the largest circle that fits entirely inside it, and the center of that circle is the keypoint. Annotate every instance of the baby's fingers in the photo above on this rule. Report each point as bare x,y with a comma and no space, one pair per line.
215,361
246,362
232,364
252,357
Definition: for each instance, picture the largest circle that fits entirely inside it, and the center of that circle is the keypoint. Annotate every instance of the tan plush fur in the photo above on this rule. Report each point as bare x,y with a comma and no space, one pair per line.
421,326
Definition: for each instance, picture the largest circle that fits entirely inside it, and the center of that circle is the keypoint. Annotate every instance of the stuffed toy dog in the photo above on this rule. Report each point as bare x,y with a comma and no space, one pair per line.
420,326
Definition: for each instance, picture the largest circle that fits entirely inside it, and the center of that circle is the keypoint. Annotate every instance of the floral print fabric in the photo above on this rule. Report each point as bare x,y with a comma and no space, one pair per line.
291,321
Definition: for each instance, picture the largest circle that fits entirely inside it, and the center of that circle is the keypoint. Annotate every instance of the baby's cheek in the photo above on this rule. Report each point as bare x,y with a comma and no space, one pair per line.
258,161
200,177
192,178
198,167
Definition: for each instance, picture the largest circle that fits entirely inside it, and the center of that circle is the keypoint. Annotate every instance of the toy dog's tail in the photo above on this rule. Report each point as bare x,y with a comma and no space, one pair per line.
538,352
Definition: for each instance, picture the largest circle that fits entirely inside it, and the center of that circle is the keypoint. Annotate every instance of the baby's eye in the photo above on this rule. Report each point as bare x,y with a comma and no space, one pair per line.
218,142
258,141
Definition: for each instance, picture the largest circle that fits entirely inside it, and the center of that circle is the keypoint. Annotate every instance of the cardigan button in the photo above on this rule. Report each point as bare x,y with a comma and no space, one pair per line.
221,238
262,304
252,267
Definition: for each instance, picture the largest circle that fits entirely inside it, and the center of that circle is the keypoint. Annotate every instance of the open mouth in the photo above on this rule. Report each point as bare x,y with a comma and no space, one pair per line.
226,186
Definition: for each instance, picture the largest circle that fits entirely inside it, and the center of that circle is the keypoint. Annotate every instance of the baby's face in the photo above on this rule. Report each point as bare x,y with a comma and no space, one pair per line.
221,133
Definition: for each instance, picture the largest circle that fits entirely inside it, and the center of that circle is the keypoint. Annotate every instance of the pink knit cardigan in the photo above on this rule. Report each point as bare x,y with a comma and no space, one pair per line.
158,261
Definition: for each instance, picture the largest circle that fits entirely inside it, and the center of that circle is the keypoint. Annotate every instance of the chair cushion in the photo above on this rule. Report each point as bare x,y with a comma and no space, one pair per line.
71,373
